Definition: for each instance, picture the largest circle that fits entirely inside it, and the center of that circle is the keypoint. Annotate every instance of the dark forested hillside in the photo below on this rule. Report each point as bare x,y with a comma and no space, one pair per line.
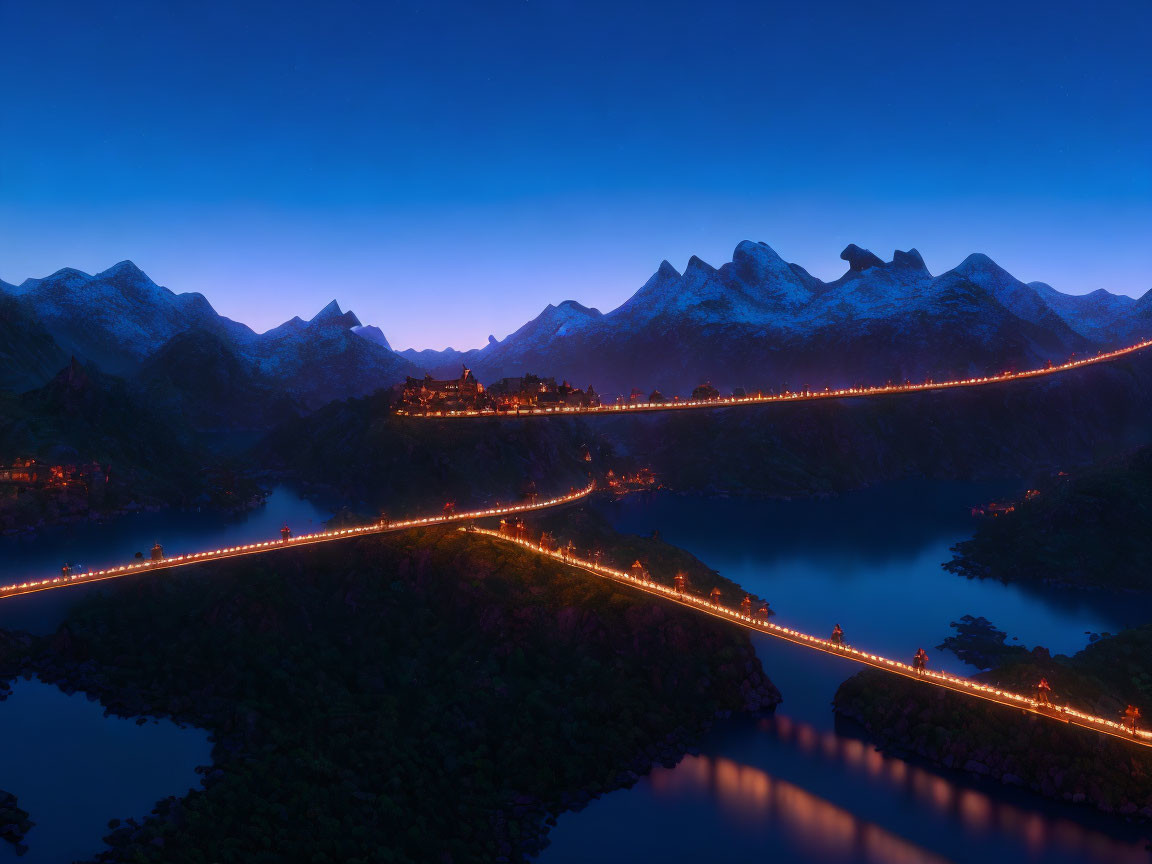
431,696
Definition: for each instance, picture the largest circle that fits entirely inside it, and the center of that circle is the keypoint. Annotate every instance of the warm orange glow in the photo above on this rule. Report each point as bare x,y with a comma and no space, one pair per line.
806,738
166,563
806,395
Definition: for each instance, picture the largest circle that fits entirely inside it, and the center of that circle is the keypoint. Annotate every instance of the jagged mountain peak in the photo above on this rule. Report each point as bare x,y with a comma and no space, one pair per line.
124,270
332,310
910,260
698,266
333,315
859,259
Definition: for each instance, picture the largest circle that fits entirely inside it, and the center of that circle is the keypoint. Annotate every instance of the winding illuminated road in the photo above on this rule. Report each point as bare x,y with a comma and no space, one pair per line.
787,396
937,679
32,586
943,680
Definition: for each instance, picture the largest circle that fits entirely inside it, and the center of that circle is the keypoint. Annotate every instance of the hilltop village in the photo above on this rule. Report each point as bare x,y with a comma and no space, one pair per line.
467,394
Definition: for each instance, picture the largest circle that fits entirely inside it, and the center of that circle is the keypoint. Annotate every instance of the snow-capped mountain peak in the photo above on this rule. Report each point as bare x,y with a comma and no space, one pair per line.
331,315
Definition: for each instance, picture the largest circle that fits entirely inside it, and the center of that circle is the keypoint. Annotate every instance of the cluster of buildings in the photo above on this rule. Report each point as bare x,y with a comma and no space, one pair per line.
26,473
1003,508
428,394
455,394
621,484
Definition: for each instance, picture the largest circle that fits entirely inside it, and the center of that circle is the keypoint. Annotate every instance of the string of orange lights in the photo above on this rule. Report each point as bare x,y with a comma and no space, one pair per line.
954,683
788,396
32,586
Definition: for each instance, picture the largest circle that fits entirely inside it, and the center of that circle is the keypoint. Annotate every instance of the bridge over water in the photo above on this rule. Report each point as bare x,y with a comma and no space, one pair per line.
955,683
942,680
62,581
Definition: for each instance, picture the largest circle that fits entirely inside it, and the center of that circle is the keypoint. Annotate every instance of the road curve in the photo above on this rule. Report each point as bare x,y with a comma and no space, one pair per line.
943,680
802,396
33,586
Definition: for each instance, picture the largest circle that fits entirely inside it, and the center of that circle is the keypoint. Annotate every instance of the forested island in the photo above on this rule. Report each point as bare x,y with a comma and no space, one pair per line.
1056,760
432,695
1085,529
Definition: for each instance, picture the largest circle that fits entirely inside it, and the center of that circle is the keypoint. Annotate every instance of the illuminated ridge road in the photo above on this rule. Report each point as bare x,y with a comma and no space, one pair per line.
33,586
938,679
788,396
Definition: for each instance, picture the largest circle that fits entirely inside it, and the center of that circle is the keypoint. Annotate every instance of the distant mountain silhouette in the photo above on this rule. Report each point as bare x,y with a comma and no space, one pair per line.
326,358
119,318
759,322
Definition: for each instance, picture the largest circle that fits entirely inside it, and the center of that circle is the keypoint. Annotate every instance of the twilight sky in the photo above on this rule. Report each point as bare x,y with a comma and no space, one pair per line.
447,169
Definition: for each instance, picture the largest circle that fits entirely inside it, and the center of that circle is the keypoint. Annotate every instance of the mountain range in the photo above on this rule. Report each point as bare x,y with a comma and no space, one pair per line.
122,321
756,322
759,322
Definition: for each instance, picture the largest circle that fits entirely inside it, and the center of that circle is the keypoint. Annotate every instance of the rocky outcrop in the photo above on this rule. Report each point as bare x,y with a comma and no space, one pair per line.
859,259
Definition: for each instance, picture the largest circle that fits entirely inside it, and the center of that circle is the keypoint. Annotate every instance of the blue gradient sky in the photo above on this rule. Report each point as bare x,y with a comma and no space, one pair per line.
447,169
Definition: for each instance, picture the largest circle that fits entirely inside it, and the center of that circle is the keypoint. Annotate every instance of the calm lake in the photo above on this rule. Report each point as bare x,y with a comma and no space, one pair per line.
71,768
800,787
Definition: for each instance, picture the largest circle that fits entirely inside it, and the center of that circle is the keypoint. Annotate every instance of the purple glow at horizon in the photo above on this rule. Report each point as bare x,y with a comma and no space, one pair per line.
447,171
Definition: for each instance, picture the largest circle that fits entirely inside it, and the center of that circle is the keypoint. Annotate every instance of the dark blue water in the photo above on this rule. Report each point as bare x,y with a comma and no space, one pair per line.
797,788
73,769
95,545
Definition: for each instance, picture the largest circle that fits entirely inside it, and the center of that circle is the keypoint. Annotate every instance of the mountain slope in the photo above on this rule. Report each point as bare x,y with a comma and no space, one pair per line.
82,415
29,356
119,316
197,376
324,359
1091,315
1133,323
758,322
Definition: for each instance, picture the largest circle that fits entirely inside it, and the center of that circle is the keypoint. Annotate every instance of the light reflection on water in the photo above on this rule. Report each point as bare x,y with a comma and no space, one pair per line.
827,831
808,795
818,827
801,787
